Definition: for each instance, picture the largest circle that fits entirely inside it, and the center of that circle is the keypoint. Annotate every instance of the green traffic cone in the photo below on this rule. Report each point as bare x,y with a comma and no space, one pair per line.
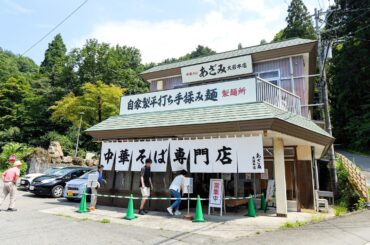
263,202
198,212
83,206
130,209
251,209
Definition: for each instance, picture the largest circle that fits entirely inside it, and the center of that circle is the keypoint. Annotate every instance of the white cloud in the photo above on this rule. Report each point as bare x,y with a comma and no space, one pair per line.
16,8
229,23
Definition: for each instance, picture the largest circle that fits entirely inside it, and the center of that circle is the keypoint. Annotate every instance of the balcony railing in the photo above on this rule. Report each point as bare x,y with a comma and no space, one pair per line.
278,97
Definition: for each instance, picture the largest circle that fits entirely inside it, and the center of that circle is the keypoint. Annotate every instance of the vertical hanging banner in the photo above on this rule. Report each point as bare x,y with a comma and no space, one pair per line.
140,152
201,156
123,156
108,155
250,154
225,158
159,152
179,154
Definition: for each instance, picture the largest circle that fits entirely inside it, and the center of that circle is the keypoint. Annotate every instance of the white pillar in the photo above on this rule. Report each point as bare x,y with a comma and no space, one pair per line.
280,183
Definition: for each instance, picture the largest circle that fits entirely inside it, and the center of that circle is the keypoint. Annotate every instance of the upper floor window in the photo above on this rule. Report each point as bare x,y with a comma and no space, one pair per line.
272,76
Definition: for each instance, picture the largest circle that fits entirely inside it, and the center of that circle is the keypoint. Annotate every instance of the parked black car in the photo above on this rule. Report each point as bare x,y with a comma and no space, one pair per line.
53,185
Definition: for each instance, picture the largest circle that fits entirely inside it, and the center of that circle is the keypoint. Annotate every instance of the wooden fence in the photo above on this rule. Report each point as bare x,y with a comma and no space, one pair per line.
356,178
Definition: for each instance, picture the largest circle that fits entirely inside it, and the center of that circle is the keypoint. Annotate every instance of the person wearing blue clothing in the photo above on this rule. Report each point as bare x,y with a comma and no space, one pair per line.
175,189
94,191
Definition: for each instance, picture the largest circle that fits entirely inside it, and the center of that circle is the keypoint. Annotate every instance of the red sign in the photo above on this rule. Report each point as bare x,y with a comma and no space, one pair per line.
12,158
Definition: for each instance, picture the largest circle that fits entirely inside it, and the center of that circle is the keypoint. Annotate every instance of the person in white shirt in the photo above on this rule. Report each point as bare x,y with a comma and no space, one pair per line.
175,189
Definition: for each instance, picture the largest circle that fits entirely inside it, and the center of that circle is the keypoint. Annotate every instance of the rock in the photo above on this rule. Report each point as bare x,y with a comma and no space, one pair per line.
38,160
55,149
89,155
67,159
78,161
96,162
89,163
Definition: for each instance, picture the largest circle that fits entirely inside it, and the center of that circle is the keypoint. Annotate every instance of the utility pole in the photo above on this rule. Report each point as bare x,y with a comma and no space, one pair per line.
323,90
78,133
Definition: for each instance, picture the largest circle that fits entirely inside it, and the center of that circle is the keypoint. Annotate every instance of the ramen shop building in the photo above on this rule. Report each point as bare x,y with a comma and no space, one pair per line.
240,116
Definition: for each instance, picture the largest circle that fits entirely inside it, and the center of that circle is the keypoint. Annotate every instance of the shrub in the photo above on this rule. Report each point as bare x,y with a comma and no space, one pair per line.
349,198
18,149
65,141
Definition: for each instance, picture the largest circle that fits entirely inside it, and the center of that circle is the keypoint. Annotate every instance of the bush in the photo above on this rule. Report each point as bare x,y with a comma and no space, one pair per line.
349,198
65,141
18,149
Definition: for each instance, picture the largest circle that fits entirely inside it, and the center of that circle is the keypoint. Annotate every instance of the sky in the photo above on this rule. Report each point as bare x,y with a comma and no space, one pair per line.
159,28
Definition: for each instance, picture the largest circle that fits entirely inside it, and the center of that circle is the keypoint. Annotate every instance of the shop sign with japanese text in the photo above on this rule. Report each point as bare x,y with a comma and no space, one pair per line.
216,193
217,155
225,93
217,69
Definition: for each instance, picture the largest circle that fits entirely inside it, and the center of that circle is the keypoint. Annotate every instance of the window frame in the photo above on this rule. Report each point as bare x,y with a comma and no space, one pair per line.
278,79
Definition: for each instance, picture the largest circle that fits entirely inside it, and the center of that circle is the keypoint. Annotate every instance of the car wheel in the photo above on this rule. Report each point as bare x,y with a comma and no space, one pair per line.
57,191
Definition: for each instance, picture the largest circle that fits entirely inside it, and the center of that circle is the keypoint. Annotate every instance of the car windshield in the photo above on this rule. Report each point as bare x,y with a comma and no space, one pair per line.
63,171
52,171
86,176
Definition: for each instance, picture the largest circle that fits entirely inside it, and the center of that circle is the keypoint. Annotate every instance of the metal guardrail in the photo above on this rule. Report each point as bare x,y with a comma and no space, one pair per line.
279,97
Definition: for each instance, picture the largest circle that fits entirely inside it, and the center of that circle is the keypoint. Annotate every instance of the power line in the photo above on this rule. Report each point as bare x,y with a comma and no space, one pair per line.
55,27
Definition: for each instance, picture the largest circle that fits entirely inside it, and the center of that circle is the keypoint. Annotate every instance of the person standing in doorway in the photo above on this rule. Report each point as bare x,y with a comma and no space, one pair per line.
10,177
145,184
94,190
175,189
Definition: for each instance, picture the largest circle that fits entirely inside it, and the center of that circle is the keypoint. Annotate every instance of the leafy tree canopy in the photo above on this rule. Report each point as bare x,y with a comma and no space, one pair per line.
98,102
299,23
349,80
11,65
200,51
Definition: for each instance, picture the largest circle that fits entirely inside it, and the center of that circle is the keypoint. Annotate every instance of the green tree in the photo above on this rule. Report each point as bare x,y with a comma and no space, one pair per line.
349,74
55,58
278,36
200,51
119,65
299,23
98,102
12,93
12,65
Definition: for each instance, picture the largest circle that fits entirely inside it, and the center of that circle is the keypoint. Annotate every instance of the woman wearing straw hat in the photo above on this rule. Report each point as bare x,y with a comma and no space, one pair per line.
10,177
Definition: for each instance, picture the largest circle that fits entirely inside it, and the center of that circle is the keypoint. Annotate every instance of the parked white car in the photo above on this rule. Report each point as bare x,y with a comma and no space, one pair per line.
26,180
74,188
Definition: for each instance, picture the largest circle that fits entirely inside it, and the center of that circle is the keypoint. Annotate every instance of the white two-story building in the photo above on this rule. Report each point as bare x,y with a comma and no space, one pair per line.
240,116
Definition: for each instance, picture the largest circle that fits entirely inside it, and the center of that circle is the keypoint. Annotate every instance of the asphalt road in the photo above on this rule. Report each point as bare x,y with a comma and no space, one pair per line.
352,230
30,226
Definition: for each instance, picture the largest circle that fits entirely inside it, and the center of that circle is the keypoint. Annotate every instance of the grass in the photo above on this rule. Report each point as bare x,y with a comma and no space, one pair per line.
297,223
104,221
340,210
64,215
257,232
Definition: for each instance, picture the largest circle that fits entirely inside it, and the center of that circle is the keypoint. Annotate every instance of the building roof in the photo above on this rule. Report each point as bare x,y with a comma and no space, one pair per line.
231,54
150,124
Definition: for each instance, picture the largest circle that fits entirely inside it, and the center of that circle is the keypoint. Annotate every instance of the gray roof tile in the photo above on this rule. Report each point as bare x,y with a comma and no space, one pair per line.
231,54
206,115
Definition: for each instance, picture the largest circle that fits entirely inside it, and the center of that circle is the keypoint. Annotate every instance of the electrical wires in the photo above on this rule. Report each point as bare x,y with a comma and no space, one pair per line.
55,27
